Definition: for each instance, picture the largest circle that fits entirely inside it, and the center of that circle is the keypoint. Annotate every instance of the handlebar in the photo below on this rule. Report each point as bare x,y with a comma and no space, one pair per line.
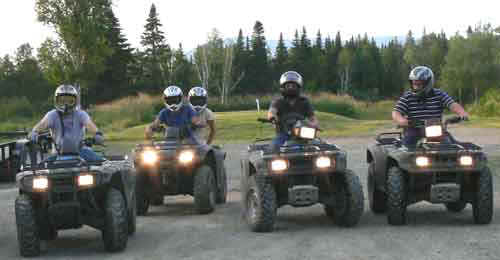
265,120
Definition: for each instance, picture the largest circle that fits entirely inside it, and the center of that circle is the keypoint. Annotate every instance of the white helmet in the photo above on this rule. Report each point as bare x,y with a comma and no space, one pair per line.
65,98
197,97
172,96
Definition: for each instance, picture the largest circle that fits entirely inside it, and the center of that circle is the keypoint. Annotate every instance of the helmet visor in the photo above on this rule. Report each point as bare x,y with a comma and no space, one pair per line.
66,100
173,100
198,101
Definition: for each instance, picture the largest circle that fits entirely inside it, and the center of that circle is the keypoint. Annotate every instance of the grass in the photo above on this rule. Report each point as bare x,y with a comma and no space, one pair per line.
242,126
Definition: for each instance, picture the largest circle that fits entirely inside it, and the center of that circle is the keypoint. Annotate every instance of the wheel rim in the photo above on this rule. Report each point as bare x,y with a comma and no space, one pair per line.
252,205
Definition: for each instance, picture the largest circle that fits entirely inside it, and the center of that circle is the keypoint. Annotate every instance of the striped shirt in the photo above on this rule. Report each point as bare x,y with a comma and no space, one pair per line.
431,106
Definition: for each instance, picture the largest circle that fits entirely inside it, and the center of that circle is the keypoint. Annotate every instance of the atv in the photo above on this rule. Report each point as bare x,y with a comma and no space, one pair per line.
438,169
176,164
66,192
304,171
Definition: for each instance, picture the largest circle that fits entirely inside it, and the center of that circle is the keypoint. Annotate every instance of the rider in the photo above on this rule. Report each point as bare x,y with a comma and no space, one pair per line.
67,125
291,102
197,98
421,102
175,113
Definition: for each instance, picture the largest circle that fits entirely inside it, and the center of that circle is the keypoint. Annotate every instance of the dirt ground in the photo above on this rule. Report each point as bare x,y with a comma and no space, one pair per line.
174,231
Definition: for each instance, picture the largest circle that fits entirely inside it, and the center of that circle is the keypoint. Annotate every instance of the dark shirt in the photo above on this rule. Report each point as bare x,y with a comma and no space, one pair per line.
430,106
301,106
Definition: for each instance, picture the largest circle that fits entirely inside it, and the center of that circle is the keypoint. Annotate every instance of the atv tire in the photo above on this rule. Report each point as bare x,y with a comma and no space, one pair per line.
482,207
132,215
377,198
142,198
396,197
116,227
260,205
28,235
205,190
349,200
222,192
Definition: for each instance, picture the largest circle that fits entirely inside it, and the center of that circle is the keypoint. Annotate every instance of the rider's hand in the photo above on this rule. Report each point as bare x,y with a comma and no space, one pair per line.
403,122
464,116
34,137
273,120
99,138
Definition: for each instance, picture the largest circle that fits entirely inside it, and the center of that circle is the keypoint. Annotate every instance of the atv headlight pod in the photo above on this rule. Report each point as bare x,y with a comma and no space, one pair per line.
466,160
279,165
305,132
149,157
323,162
85,180
186,157
40,183
433,131
422,161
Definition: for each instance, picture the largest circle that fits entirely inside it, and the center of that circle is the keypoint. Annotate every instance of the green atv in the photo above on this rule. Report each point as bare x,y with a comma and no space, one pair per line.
67,192
304,171
177,165
439,169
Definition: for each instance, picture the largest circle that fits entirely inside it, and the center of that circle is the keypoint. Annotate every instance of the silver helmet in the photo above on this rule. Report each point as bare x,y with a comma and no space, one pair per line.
197,98
291,77
172,96
424,74
65,98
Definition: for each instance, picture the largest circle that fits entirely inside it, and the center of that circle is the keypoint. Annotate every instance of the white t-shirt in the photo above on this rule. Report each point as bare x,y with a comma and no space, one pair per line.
201,134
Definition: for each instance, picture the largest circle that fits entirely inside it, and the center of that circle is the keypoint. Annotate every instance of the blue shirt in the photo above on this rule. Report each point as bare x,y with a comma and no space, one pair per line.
178,118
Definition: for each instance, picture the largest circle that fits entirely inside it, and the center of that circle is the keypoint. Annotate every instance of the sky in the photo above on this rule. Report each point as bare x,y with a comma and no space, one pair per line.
189,22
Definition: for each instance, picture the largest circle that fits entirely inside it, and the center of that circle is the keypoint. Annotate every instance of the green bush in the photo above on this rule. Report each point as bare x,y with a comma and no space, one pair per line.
489,104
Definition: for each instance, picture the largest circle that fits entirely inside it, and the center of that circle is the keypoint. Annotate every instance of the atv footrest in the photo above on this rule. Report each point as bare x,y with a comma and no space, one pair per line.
445,192
303,195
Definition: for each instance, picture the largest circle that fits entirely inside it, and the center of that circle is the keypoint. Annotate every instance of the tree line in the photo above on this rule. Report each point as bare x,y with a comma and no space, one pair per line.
92,52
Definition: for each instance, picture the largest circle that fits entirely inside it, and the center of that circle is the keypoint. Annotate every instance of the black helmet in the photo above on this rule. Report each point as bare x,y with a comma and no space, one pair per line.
65,98
421,73
290,77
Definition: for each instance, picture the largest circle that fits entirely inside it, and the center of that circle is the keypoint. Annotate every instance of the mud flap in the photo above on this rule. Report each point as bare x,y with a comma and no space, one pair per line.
445,192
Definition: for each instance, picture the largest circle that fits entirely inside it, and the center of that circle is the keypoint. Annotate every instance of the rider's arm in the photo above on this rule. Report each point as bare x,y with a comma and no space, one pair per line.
42,125
313,121
458,109
399,119
148,132
90,125
273,111
211,134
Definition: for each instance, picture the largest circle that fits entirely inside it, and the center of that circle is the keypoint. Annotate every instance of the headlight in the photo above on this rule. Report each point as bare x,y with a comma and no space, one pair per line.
466,160
306,132
40,183
433,131
186,157
86,180
323,162
279,165
149,157
422,161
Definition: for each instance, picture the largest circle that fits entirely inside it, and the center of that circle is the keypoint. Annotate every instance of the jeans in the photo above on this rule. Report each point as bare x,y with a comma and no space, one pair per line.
85,152
280,139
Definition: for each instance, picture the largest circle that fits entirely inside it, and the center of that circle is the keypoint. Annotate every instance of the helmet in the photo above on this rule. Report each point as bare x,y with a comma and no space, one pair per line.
173,97
421,73
290,77
65,98
197,97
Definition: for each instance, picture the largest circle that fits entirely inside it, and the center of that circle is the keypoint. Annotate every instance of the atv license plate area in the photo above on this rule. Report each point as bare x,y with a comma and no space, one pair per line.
445,192
303,195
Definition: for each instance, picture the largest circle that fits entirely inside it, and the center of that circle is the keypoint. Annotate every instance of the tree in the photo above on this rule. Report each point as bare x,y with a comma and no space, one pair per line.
81,26
157,53
258,76
280,61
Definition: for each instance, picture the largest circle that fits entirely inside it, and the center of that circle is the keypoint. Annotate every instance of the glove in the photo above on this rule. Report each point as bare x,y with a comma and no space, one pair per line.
99,138
273,120
34,137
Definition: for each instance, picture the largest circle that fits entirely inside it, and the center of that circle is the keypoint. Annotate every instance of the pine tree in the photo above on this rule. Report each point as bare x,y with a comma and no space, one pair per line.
258,69
153,39
280,61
